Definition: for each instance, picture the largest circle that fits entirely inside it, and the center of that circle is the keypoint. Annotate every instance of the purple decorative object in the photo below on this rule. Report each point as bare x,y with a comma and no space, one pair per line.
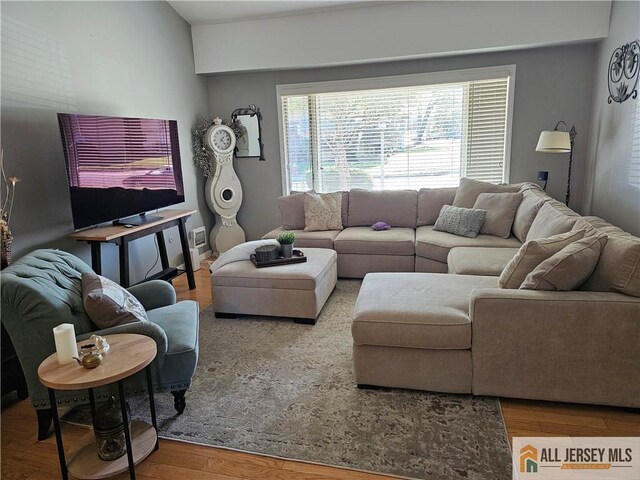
380,226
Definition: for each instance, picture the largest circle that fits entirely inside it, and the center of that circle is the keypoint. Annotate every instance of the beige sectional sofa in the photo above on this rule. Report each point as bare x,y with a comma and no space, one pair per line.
410,246
460,332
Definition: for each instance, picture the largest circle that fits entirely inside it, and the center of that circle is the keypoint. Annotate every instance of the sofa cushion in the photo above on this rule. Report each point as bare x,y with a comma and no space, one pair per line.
430,202
618,267
532,200
468,191
479,260
465,222
416,310
296,276
364,240
532,253
108,304
601,225
551,220
436,245
304,239
569,268
398,208
501,209
291,211
322,212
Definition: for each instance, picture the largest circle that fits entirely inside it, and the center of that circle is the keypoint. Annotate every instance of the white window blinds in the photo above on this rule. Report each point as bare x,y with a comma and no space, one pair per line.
394,138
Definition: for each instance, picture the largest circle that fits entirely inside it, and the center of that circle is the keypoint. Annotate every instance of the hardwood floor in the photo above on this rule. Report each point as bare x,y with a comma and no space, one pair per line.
23,457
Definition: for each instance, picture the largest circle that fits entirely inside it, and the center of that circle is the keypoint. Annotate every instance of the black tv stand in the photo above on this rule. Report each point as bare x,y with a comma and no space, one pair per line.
137,220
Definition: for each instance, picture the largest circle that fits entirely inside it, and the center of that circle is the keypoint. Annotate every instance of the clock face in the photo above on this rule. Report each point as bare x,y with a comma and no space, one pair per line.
221,139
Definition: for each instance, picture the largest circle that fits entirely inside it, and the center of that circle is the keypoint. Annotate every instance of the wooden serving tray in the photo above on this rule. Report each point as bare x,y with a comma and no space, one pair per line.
298,257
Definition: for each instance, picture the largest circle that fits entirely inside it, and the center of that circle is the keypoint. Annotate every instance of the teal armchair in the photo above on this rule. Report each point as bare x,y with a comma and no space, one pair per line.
44,289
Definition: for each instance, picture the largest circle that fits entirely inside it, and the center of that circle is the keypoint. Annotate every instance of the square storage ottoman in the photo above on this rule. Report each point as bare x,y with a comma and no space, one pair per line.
298,290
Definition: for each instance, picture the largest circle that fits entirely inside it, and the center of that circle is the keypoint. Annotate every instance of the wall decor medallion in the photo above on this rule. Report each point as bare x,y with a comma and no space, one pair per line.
622,75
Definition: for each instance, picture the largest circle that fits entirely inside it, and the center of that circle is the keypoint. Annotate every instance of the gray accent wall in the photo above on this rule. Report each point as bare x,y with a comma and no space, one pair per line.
613,178
553,83
106,58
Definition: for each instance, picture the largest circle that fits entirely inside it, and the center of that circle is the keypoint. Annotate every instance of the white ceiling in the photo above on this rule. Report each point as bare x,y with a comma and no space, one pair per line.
224,11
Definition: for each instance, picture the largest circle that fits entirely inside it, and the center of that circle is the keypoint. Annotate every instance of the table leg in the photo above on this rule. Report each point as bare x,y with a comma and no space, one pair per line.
182,229
96,257
127,433
124,262
162,248
152,404
92,402
56,427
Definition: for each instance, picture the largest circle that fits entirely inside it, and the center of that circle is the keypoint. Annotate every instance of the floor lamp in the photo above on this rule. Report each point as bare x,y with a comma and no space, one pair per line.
558,141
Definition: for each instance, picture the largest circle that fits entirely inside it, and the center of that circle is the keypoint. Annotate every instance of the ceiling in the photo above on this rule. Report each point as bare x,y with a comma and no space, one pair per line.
225,11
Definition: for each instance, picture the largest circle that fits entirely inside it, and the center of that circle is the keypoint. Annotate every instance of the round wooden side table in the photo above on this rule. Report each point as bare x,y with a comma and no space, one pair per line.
129,354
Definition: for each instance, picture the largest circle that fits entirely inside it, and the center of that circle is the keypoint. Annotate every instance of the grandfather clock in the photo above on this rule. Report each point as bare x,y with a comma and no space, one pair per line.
223,190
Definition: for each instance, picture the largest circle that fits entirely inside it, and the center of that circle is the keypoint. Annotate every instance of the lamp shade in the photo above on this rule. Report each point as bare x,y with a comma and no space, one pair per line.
554,141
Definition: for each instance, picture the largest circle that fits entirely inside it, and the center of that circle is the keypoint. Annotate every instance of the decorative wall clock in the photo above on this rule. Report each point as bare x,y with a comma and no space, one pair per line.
223,190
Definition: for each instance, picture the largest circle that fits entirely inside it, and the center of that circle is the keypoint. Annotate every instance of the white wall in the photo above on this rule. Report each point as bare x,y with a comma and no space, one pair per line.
107,58
402,30
613,180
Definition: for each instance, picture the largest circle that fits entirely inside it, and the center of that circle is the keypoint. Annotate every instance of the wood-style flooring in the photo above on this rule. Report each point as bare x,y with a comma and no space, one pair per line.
23,457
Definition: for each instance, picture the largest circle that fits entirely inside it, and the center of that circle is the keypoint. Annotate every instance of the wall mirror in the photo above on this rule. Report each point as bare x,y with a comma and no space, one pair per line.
247,120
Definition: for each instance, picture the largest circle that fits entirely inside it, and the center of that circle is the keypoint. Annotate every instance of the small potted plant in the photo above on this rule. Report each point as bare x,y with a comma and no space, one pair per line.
286,239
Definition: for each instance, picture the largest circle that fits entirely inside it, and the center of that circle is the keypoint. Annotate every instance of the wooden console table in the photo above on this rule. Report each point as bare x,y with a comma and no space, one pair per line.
122,236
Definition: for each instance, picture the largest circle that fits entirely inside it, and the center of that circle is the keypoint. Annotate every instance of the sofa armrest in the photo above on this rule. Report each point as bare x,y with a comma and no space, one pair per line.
565,346
154,294
148,329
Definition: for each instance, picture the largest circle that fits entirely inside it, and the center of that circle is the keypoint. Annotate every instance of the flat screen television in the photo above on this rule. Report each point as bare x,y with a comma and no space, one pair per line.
119,168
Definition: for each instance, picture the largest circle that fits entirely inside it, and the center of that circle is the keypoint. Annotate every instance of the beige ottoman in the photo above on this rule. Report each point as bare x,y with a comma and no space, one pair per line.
412,330
298,290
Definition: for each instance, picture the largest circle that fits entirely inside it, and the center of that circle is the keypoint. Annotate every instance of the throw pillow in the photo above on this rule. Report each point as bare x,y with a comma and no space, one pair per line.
464,222
378,226
550,221
569,268
322,211
468,191
532,254
526,213
501,210
108,304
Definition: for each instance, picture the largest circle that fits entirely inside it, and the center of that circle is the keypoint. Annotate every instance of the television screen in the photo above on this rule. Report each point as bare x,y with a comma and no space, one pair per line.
118,167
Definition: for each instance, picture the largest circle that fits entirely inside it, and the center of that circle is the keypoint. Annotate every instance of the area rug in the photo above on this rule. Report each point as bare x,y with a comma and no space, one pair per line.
274,387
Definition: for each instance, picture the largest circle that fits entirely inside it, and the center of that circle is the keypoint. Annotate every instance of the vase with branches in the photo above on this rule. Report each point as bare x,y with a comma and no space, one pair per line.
7,196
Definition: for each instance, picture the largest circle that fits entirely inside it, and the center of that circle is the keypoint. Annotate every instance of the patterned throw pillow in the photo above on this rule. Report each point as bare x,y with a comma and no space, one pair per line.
322,211
108,304
464,222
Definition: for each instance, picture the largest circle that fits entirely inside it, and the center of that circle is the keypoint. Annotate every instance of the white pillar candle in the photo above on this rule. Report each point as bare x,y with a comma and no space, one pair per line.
65,338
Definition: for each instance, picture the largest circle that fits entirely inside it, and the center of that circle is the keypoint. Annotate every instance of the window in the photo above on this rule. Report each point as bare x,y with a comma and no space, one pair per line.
410,131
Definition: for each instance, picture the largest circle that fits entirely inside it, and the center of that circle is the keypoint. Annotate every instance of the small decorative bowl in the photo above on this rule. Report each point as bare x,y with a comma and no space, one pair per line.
266,253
